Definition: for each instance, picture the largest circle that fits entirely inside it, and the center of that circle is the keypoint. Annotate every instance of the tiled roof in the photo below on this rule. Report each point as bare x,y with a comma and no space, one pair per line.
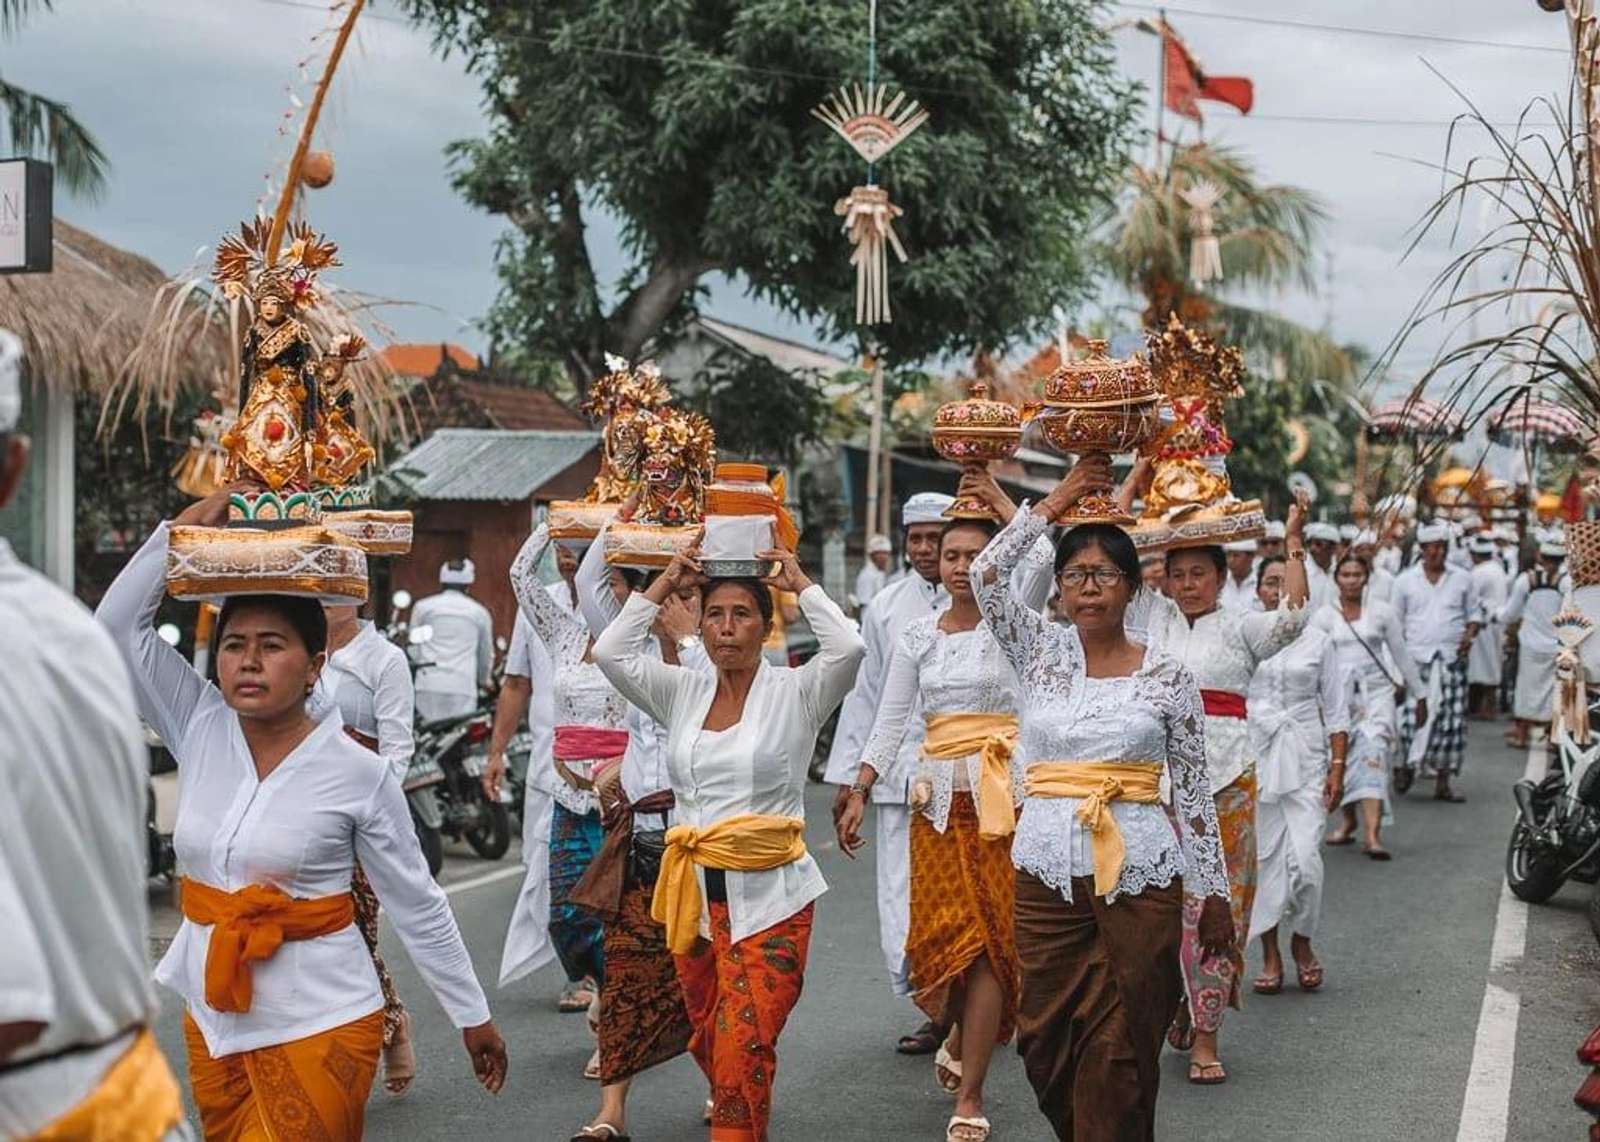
520,407
424,360
490,463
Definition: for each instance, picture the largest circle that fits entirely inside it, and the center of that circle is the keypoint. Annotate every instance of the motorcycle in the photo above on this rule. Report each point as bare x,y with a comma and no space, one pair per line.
1556,836
161,808
459,748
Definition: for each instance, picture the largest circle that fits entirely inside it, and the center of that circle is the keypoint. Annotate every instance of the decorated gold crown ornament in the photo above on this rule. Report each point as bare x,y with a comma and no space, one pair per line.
1099,405
1190,502
978,431
616,401
673,466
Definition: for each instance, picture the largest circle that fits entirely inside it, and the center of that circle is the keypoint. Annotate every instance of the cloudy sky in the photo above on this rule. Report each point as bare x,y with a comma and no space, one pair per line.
188,96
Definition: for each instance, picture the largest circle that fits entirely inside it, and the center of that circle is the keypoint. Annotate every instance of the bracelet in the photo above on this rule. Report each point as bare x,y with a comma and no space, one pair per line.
860,788
1298,554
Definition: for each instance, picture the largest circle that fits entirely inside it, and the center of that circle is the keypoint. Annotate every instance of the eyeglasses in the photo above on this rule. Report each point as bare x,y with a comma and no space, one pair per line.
1104,577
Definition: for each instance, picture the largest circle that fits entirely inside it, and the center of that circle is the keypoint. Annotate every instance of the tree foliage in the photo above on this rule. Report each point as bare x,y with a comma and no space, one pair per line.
42,126
689,123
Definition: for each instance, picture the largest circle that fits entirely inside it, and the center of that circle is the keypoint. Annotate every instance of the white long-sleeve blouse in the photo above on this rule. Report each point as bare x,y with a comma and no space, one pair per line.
756,766
328,804
1152,715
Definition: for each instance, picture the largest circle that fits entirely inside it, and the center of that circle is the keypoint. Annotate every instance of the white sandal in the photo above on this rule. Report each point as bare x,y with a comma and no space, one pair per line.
963,1129
591,1069
947,1070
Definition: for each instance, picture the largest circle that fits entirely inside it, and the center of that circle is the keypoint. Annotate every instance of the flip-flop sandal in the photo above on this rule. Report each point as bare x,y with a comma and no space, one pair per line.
963,1129
576,997
1200,1074
1267,984
1310,976
400,1059
1180,1036
1335,840
947,1070
925,1040
1450,797
1378,854
591,1069
1403,776
706,1117
603,1131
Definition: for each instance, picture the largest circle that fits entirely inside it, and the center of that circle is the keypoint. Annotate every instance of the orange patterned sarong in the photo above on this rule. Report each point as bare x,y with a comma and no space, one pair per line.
963,890
739,996
309,1090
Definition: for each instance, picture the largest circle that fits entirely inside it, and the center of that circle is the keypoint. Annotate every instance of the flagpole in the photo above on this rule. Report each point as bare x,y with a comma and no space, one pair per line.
1161,81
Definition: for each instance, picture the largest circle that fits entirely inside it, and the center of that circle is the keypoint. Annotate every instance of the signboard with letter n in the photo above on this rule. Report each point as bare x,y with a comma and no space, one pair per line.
25,216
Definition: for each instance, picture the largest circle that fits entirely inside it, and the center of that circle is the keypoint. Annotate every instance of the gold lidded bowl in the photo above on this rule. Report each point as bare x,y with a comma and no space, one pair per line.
977,429
1100,403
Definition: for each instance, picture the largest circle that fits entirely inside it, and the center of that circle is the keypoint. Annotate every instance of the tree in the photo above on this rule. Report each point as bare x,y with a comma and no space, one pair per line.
43,126
690,123
1268,236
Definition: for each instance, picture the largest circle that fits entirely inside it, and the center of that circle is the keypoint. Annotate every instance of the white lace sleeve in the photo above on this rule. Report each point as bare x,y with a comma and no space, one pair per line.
897,699
1267,632
1018,628
564,636
1205,874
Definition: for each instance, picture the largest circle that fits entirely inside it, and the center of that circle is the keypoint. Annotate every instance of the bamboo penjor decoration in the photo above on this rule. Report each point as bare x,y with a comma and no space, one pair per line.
873,122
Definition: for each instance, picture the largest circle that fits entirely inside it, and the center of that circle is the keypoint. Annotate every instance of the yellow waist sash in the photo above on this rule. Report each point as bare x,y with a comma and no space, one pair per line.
750,842
1098,784
136,1101
994,736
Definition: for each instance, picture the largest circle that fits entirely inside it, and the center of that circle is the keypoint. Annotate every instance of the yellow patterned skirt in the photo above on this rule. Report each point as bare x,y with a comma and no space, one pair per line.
962,903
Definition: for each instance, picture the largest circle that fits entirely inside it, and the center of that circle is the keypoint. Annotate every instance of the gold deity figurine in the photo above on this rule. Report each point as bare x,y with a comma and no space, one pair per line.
339,451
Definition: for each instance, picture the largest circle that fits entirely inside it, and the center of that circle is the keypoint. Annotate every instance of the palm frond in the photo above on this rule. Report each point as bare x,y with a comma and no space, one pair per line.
45,127
1307,354
14,12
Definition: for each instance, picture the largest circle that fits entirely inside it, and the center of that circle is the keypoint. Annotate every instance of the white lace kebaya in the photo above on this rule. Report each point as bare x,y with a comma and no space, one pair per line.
1151,715
581,694
961,673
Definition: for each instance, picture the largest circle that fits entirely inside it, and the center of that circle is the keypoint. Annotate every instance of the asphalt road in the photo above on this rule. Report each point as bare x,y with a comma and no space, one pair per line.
1383,1051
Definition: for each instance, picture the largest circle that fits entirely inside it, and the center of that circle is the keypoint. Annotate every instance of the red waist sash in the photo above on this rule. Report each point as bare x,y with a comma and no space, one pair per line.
1223,704
589,743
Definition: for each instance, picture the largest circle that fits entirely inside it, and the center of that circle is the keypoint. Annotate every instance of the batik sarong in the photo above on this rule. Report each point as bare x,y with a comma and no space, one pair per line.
575,840
1447,725
367,921
1211,983
962,894
1100,984
739,996
643,1020
310,1090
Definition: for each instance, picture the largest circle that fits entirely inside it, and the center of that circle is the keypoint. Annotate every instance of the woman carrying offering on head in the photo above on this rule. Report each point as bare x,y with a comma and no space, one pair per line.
950,677
736,886
283,1010
1102,868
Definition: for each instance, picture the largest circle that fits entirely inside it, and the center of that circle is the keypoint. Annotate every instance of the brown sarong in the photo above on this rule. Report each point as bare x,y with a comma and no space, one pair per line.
643,1020
1100,984
601,887
311,1088
962,891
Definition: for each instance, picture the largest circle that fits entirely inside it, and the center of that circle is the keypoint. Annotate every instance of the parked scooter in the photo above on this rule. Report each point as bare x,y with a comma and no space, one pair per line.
1556,836
424,775
459,747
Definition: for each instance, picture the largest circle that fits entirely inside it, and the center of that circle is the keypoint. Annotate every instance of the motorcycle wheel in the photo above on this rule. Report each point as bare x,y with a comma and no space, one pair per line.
432,846
1531,876
491,836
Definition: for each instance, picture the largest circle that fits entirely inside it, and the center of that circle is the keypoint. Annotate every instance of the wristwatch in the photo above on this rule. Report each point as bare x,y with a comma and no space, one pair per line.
687,641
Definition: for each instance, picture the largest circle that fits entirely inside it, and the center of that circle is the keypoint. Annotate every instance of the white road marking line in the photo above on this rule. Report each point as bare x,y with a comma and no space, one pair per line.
1486,1107
482,879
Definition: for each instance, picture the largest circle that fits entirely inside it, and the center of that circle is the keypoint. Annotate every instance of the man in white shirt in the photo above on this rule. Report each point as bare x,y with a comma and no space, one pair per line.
456,662
908,598
1434,602
1239,584
76,1002
1485,663
1322,543
1380,582
874,575
1535,599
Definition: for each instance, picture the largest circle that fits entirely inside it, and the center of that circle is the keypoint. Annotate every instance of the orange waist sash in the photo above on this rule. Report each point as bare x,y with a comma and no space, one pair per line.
251,925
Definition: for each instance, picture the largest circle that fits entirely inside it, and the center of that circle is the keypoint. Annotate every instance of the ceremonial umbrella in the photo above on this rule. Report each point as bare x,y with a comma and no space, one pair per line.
1539,423
1413,418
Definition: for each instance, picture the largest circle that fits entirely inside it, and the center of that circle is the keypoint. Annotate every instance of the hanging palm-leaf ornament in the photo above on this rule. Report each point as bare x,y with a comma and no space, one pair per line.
874,122
1205,250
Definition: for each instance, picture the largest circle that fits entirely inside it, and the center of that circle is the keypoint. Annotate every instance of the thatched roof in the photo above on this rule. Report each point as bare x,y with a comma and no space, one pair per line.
80,322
